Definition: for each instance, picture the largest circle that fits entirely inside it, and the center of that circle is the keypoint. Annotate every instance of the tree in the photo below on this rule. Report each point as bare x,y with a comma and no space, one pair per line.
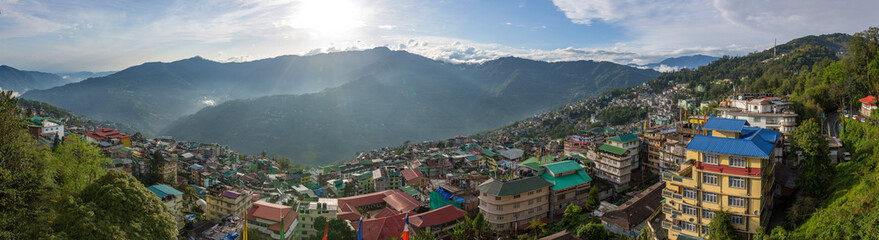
56,143
646,234
593,231
77,164
536,227
424,235
348,190
337,229
157,168
592,200
815,170
116,206
572,215
25,183
721,227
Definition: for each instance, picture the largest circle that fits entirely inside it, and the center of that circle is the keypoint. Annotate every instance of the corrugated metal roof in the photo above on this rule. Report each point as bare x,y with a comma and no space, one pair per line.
163,190
613,149
563,166
624,138
725,124
755,142
566,181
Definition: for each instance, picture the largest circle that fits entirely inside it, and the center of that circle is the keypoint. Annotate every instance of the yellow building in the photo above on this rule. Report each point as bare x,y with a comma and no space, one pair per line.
732,170
223,203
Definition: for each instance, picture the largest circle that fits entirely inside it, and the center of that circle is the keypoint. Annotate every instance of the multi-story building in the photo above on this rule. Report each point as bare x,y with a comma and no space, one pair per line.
771,113
172,198
730,170
507,205
616,158
273,219
665,148
365,183
395,180
222,203
308,211
414,178
108,135
43,126
868,104
570,185
380,179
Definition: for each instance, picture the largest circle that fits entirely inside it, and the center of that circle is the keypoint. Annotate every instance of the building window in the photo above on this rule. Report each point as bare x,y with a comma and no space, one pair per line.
710,158
538,199
530,193
497,198
688,226
530,201
708,178
689,193
517,196
709,197
736,182
688,210
516,205
499,208
736,201
737,219
500,217
704,230
707,214
738,162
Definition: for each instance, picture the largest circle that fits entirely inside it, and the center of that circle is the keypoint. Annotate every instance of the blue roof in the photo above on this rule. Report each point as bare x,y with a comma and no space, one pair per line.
725,124
163,190
755,142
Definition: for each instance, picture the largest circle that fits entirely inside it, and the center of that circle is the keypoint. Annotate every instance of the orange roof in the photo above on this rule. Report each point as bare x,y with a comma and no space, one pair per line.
869,99
397,200
382,228
272,212
410,174
437,216
102,133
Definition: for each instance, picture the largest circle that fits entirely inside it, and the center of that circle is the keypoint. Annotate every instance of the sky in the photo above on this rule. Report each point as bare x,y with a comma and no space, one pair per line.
87,35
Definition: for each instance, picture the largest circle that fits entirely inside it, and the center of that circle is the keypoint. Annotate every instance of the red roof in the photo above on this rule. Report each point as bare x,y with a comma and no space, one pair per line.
386,212
869,99
411,174
437,216
396,200
102,133
382,228
272,212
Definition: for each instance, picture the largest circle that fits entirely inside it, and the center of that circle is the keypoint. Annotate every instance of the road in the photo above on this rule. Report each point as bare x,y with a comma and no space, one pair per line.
831,125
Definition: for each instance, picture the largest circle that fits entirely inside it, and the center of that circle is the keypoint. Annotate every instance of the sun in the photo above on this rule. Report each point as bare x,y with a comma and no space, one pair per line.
328,17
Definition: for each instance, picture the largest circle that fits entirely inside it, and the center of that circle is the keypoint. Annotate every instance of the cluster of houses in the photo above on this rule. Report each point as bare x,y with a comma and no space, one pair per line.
668,177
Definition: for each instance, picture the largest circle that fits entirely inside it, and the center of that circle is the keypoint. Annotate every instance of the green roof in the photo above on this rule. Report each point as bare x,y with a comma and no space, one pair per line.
531,162
624,138
613,149
566,181
489,153
163,190
581,158
409,190
498,188
563,166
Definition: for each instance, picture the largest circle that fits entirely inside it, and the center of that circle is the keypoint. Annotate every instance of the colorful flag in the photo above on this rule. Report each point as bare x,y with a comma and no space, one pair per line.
360,230
405,235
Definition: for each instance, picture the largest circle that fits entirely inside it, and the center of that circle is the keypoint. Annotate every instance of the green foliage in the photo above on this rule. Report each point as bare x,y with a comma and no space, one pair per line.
25,184
116,206
815,170
536,227
594,231
619,115
77,164
646,234
475,228
592,200
338,229
721,227
157,167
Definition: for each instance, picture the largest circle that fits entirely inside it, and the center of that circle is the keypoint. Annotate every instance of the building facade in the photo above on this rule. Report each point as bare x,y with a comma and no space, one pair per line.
666,149
308,211
570,185
615,159
222,203
868,104
172,198
272,220
771,113
507,205
730,170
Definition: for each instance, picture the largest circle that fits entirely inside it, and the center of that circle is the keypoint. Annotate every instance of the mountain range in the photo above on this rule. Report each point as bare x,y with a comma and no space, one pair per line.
324,108
677,63
22,81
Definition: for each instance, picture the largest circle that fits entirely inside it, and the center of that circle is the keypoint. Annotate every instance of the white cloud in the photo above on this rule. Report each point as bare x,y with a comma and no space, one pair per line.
387,27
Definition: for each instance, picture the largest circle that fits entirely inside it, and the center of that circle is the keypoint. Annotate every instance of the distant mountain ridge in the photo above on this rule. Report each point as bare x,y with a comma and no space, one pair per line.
404,97
82,75
677,63
22,81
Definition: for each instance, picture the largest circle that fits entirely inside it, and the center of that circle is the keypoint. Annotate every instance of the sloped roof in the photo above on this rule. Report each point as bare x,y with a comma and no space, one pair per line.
625,138
410,174
869,99
613,149
272,212
163,190
563,166
725,124
437,216
382,228
570,180
396,200
636,210
489,153
755,142
498,188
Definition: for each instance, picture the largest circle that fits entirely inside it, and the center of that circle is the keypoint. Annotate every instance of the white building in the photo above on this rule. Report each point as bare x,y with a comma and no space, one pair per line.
615,159
771,113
